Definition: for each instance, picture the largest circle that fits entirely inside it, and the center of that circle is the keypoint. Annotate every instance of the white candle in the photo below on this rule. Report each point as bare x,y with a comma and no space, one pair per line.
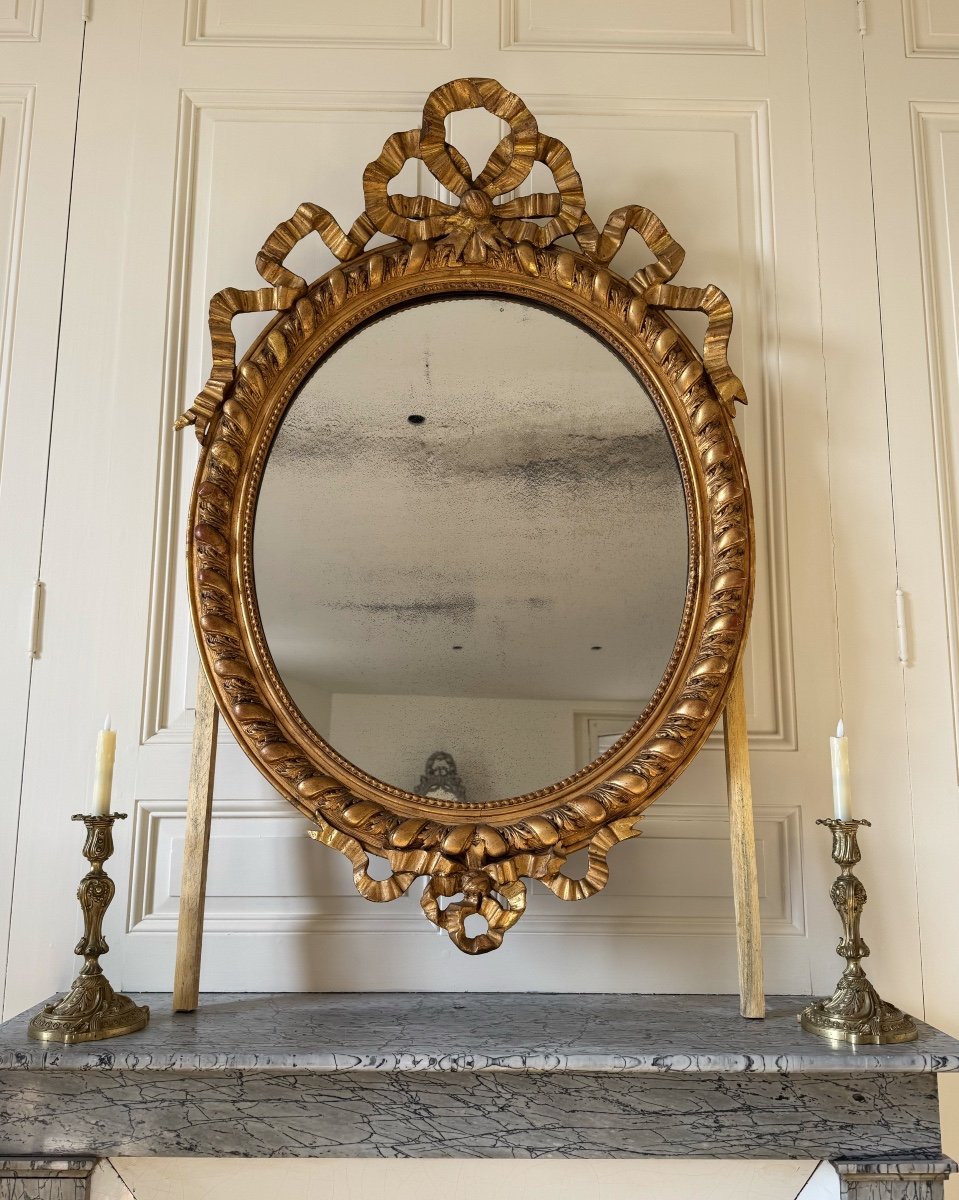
839,749
103,782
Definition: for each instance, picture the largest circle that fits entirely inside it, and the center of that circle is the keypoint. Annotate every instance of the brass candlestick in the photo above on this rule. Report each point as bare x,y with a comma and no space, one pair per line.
854,1012
91,1010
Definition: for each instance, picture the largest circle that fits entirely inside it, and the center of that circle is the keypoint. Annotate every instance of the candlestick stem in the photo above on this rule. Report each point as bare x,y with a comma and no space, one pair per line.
91,1010
854,1012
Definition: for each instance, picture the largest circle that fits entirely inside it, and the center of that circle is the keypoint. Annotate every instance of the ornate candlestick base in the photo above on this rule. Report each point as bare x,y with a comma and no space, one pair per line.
854,1012
91,1010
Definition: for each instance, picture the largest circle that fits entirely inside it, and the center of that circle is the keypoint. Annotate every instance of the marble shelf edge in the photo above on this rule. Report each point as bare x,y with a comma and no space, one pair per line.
426,1032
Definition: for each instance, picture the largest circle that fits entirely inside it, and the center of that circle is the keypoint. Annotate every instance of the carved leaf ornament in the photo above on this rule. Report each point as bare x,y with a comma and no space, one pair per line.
474,856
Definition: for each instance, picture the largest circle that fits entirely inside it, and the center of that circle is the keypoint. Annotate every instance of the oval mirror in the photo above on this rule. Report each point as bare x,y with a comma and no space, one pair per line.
471,529
466,489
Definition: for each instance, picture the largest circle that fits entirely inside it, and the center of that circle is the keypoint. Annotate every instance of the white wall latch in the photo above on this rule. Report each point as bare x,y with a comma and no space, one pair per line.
36,620
902,632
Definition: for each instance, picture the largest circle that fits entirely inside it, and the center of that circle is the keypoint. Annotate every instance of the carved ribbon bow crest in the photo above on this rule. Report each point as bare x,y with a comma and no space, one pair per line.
477,221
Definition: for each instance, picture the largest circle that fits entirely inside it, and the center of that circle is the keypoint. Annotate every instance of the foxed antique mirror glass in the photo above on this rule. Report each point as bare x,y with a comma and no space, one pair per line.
468,483
499,544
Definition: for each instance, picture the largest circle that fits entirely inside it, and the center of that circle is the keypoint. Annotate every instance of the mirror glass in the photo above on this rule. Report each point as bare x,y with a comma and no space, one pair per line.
470,547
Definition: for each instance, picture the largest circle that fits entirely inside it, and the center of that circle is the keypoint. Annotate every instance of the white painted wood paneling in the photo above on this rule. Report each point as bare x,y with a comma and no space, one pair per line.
935,129
20,20
266,875
913,97
861,526
18,486
38,99
624,26
931,28
395,24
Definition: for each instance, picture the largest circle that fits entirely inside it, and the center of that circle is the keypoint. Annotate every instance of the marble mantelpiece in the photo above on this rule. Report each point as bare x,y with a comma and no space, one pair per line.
481,1075
474,1031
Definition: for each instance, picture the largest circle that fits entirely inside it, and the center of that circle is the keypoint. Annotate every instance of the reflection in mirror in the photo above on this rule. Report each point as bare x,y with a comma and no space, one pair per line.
471,527
441,780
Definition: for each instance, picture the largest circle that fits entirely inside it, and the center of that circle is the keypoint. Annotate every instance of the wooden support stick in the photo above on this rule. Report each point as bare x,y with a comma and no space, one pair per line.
199,813
752,1001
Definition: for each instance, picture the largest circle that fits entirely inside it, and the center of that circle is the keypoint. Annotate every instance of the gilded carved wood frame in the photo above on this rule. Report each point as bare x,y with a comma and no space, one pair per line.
474,244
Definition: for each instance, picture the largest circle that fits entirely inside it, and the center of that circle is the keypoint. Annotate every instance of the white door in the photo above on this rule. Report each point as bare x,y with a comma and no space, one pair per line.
205,124
912,60
40,50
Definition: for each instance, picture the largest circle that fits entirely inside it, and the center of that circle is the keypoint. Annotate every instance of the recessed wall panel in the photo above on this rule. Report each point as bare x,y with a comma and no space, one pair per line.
691,27
931,28
266,875
423,24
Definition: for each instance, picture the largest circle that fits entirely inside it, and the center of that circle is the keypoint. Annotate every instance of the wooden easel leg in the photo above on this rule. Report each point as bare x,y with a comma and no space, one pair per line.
752,1000
199,812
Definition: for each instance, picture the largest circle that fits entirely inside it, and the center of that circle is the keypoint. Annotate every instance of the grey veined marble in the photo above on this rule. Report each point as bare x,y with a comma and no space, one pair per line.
475,1075
32,1178
903,1180
476,1032
462,1114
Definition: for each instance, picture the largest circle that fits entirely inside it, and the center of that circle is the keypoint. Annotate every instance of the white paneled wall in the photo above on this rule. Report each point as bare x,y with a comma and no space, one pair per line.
40,49
391,24
621,27
913,88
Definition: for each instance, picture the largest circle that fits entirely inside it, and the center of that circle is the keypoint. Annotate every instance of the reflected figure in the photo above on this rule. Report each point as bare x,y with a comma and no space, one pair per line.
441,779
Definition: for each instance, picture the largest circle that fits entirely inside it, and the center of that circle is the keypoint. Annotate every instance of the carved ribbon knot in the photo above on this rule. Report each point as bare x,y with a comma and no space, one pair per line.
477,223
